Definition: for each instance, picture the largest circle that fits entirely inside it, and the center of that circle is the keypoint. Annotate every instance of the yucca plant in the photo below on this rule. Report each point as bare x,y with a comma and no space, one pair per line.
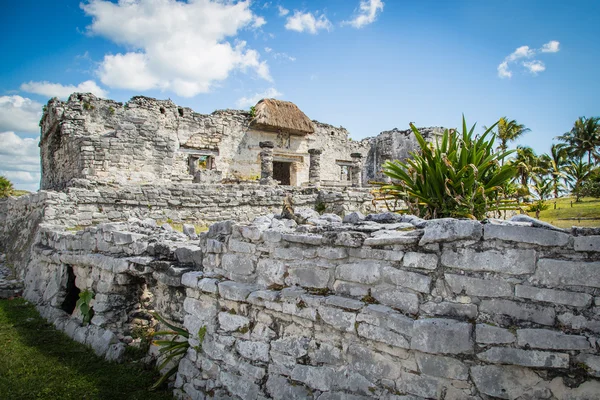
172,348
461,177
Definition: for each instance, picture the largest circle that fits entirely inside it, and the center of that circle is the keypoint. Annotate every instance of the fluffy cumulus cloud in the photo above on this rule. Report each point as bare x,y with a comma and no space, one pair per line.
184,47
282,11
63,91
522,54
551,47
246,102
20,160
19,114
307,22
368,10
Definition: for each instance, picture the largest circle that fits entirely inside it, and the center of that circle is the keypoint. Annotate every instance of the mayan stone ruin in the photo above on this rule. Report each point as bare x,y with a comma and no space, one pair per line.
343,301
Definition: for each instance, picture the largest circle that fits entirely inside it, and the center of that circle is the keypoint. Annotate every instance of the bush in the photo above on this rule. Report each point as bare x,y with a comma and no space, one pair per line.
591,187
461,177
6,187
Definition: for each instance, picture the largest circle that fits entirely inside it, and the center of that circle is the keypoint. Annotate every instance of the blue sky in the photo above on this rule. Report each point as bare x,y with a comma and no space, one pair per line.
368,65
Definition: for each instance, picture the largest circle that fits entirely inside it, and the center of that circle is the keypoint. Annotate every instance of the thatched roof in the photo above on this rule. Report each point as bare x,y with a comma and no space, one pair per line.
278,115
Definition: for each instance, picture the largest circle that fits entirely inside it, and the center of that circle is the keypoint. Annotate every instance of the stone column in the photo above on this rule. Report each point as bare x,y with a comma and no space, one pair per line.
314,170
266,163
356,168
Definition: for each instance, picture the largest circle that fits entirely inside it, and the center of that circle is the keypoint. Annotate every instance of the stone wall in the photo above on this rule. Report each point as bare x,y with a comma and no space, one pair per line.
384,307
86,204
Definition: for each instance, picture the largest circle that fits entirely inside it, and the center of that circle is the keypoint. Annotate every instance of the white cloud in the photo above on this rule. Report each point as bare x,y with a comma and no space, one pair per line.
283,11
246,102
268,49
184,47
551,47
301,22
19,114
367,13
63,91
535,66
20,160
503,71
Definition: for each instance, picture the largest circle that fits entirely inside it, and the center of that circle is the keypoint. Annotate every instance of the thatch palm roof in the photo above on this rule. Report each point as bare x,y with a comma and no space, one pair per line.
278,115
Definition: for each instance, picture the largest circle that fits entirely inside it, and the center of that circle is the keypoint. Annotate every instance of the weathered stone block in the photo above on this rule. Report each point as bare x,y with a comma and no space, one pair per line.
292,345
444,336
547,339
309,277
255,351
396,298
567,273
190,279
520,311
365,272
239,386
344,302
587,243
479,287
504,382
525,358
592,362
235,291
420,385
417,282
385,317
270,271
319,378
489,334
337,318
509,261
553,296
382,335
281,389
239,264
448,229
450,309
332,253
239,246
525,234
420,260
232,322
442,367
387,238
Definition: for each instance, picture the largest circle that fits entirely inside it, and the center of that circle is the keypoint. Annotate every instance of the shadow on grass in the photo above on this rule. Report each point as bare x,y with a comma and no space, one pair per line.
39,362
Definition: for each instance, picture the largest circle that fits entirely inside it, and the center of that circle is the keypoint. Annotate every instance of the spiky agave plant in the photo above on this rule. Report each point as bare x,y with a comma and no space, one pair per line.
172,348
461,177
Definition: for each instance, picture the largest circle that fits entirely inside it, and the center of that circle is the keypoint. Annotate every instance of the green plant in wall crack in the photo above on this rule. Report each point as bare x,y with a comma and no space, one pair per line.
83,305
172,348
461,177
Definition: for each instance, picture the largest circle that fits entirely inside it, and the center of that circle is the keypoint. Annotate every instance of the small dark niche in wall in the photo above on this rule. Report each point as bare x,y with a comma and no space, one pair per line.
180,111
162,110
72,292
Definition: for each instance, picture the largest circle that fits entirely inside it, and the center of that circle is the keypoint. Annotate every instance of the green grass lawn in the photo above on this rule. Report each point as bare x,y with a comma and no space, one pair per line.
39,362
568,213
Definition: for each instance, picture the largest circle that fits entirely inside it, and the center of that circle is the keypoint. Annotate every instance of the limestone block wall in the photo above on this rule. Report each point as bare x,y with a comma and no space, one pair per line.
386,306
89,204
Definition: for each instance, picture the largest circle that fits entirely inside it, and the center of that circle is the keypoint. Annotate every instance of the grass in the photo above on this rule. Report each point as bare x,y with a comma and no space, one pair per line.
39,362
179,226
568,213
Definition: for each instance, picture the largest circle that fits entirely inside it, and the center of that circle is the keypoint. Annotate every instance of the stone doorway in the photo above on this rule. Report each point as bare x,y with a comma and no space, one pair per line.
281,172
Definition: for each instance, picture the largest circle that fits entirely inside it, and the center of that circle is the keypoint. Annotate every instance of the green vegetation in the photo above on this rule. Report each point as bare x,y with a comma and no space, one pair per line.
173,349
83,304
6,187
565,212
39,362
461,177
252,112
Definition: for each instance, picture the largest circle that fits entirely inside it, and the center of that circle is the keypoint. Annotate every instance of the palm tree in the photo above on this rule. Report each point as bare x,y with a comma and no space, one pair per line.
6,187
558,161
577,173
542,187
508,131
583,138
526,161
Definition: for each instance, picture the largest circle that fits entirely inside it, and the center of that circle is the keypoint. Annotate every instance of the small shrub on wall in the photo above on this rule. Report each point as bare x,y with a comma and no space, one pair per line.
460,177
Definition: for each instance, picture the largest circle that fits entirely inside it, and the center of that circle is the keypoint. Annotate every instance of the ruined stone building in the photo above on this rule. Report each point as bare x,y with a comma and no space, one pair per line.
155,141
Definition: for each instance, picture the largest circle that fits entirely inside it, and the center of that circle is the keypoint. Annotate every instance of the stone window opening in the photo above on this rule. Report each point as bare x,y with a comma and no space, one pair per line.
345,173
71,293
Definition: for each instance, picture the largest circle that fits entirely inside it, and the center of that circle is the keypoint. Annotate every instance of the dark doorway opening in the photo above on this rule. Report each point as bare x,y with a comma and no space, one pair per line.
72,293
281,172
